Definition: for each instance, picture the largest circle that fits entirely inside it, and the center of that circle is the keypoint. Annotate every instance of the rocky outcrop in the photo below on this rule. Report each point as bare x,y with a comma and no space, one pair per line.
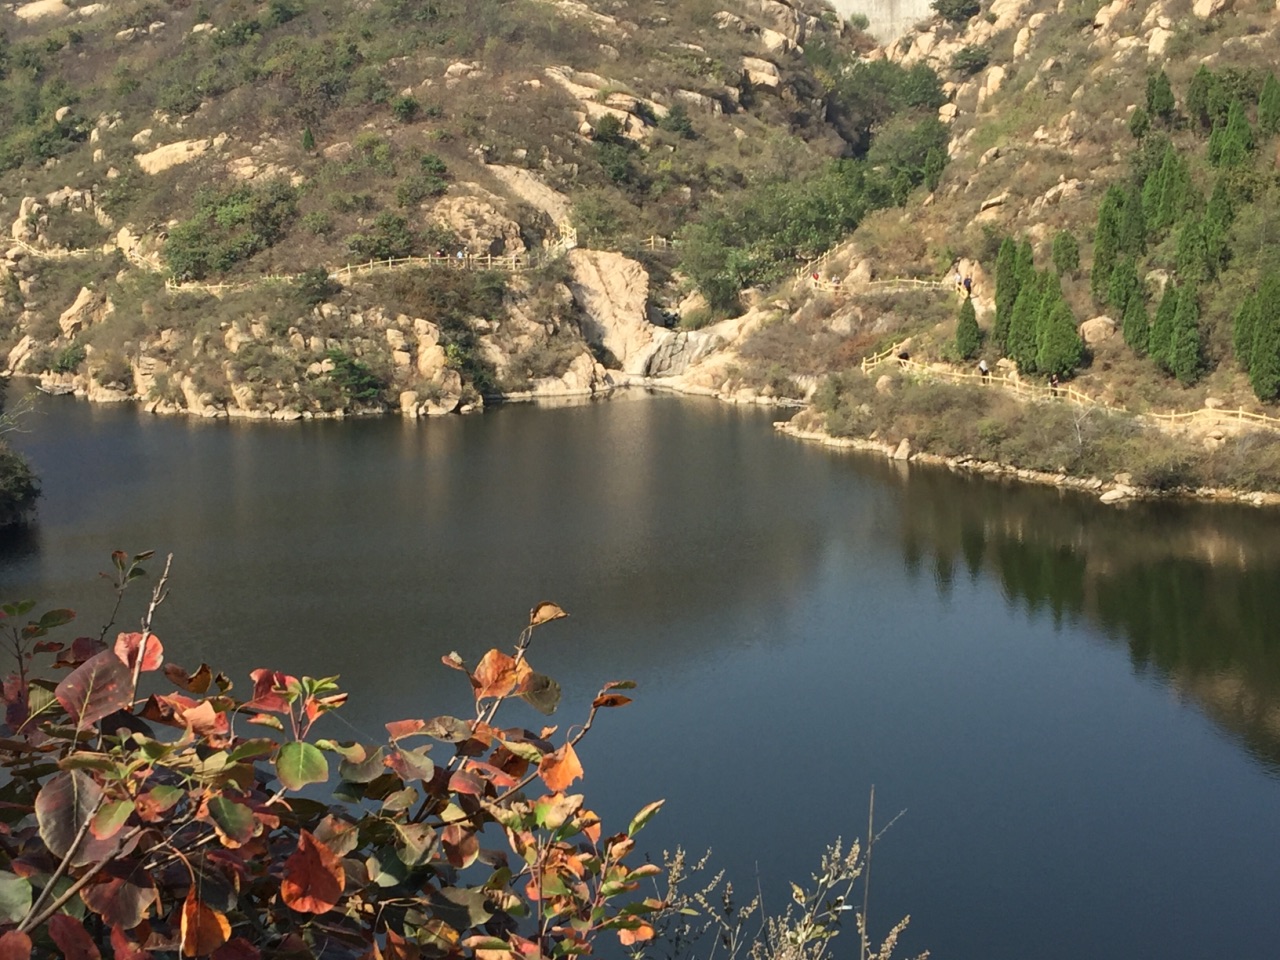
479,225
171,155
532,191
612,292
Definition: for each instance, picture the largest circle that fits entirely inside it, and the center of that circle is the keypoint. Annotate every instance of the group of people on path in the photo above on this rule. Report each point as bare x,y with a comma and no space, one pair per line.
964,285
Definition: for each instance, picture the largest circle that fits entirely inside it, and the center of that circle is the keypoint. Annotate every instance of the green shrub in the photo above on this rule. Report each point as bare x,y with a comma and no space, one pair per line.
969,60
956,11
229,227
405,108
389,238
359,384
314,286
68,359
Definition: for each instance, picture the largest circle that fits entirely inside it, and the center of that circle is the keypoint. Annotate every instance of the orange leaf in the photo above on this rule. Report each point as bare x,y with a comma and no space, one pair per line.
643,932
128,645
560,768
495,675
15,945
398,729
313,877
610,700
203,929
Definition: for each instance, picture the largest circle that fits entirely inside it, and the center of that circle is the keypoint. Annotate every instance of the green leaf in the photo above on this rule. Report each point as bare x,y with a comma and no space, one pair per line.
56,618
110,818
235,821
350,750
15,898
641,818
299,764
542,693
365,770
416,843
251,749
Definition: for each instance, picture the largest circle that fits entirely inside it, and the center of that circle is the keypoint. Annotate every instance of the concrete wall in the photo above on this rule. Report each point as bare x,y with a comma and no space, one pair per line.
890,19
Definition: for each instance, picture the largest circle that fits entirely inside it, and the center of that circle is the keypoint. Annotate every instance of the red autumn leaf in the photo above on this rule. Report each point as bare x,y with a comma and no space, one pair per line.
203,929
122,948
642,932
121,901
81,649
72,938
128,645
313,877
399,948
99,686
197,682
398,729
461,845
464,782
266,683
495,675
560,768
453,661
237,949
15,945
204,721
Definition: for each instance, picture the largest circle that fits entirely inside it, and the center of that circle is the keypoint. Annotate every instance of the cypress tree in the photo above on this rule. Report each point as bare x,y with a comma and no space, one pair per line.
1218,216
1022,327
1175,190
1199,94
308,140
1006,290
1243,328
1194,263
1061,348
1125,284
968,336
1269,106
1139,123
1161,337
1160,103
1184,349
1026,263
1133,222
1264,361
1106,242
1050,297
1231,142
1066,253
1136,328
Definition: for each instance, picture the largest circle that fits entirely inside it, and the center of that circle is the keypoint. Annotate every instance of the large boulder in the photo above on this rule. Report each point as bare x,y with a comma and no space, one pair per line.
1097,330
479,225
171,155
612,291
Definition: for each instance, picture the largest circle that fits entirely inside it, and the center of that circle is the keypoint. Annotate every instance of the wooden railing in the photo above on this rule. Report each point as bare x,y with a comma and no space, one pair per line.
1067,392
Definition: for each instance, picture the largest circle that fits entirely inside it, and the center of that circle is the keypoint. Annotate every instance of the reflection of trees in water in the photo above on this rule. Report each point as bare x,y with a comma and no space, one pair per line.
1191,589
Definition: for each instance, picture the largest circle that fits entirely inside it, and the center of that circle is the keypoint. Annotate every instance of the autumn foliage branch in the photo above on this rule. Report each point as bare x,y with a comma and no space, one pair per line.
189,821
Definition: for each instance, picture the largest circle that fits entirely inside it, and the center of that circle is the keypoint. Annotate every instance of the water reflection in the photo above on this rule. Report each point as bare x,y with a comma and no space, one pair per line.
1190,590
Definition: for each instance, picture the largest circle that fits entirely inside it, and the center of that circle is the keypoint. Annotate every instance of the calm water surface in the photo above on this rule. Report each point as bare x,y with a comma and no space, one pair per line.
1078,707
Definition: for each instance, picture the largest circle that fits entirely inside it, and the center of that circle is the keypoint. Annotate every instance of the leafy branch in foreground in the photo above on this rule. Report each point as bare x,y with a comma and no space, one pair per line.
189,820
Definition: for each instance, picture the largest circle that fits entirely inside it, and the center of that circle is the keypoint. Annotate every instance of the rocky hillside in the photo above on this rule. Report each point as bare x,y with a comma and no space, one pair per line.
187,187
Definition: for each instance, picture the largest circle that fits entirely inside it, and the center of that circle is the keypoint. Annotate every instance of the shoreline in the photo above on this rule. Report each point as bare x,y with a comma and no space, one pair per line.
1113,491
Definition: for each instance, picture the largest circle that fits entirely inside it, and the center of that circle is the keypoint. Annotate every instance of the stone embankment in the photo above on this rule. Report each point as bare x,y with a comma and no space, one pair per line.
1118,489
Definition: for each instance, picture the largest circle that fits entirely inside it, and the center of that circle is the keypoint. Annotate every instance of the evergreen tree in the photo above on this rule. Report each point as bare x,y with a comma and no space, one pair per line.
1269,106
1161,338
1106,242
1139,123
1243,328
1194,263
1061,349
308,140
1175,191
1066,253
1133,222
1231,141
1200,94
1125,284
1184,348
968,336
1264,361
1160,103
1022,344
1026,263
1050,297
1136,327
1217,220
1007,284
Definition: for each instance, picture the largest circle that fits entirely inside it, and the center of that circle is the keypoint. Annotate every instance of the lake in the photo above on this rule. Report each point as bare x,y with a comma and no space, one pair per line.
1076,706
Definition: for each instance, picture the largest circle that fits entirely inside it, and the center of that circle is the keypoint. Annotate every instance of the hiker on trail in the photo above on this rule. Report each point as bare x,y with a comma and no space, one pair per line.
984,370
903,357
816,278
959,282
968,286
1054,383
